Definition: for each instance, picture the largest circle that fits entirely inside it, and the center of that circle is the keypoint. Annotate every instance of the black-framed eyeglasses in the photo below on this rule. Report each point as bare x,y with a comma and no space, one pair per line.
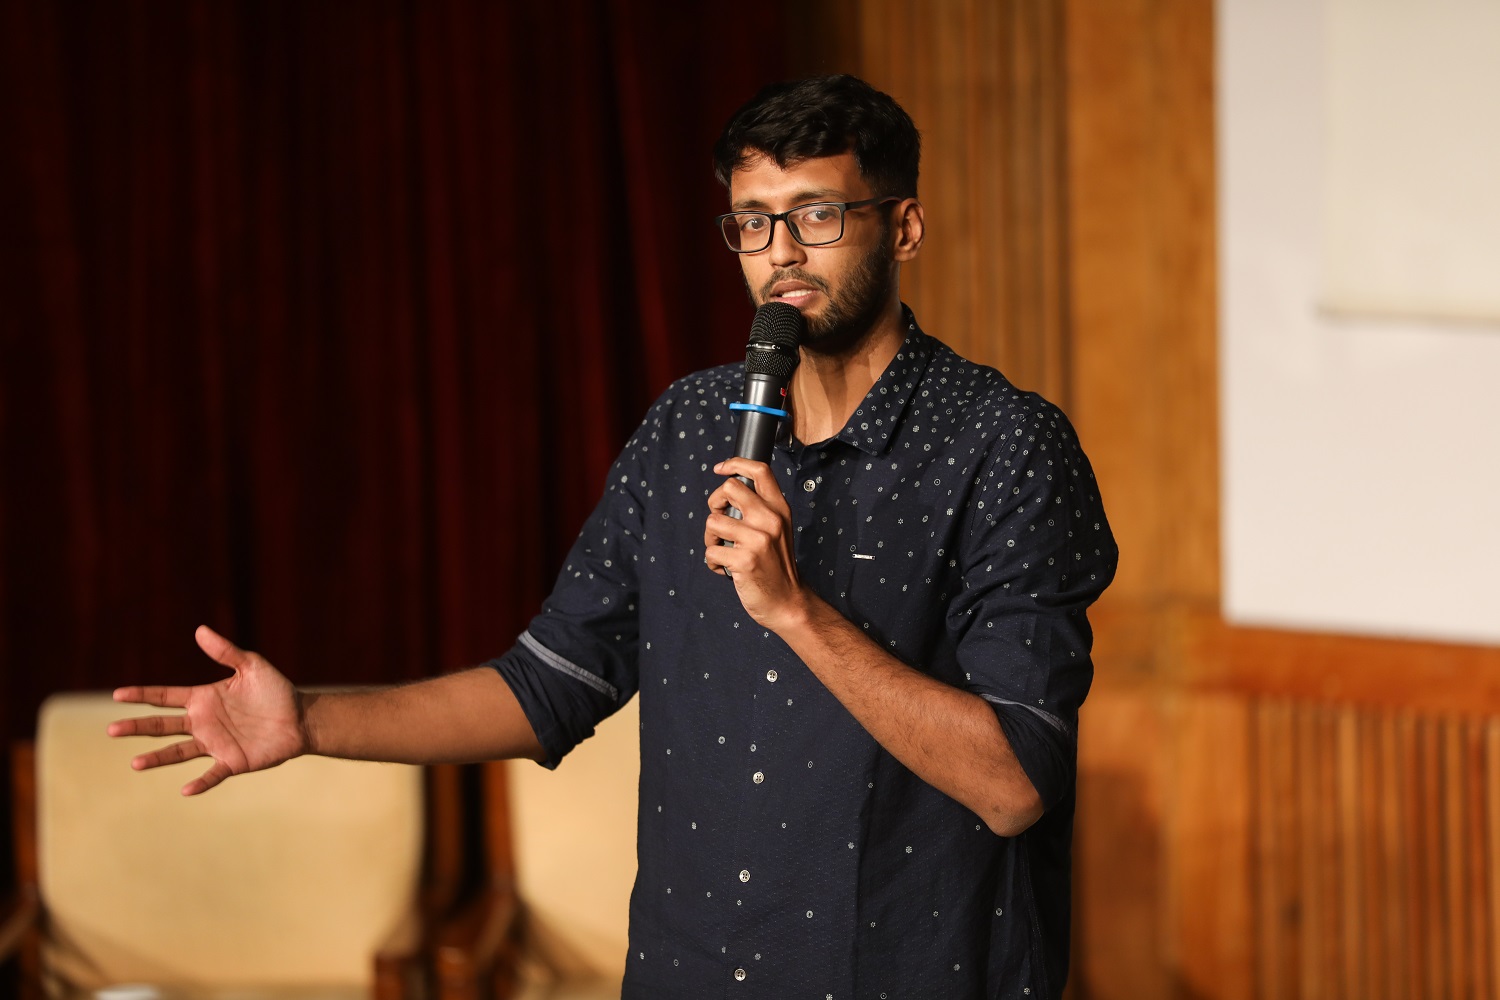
811,225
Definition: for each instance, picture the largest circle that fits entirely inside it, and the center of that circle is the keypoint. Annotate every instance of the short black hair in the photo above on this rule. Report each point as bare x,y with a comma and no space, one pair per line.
825,116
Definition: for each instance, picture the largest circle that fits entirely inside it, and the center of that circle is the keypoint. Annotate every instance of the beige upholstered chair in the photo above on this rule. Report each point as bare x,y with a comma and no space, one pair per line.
303,881
299,881
570,854
574,832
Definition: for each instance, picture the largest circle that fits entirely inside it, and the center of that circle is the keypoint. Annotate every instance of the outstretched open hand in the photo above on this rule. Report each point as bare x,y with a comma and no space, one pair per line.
248,721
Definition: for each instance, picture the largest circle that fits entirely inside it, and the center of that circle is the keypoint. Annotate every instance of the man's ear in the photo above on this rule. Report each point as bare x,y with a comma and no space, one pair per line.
909,229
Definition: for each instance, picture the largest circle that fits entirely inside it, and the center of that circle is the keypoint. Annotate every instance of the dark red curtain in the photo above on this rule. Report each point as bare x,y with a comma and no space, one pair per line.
324,320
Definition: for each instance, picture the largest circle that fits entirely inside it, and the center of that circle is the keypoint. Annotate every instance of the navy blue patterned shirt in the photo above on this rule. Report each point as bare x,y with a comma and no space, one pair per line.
783,853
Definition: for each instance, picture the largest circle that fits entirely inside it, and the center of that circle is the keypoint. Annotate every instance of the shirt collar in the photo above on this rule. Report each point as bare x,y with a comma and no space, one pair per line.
873,423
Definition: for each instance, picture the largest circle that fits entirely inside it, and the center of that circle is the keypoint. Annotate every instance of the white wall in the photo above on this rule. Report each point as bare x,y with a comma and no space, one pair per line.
1361,453
1411,139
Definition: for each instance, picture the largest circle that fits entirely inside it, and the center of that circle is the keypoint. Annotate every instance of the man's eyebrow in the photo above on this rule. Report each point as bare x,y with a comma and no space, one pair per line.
800,198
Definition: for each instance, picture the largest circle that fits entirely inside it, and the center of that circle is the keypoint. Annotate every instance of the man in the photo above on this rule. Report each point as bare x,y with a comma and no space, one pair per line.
859,721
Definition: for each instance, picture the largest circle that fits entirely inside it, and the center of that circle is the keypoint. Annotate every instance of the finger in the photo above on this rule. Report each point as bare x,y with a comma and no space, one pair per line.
174,754
738,557
155,694
220,648
714,525
742,496
720,528
717,565
721,531
730,491
756,472
759,473
754,509
150,725
207,779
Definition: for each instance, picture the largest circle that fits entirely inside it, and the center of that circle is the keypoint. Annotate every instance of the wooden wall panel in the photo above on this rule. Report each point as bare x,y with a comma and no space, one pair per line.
1142,306
1373,853
1143,301
983,79
1208,890
1491,842
1120,859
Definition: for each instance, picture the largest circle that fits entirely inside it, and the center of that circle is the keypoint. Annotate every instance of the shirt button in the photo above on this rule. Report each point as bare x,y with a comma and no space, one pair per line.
808,485
739,975
744,874
758,777
771,676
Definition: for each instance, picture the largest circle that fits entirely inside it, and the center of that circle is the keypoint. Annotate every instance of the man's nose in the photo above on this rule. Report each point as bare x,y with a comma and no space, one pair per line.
785,250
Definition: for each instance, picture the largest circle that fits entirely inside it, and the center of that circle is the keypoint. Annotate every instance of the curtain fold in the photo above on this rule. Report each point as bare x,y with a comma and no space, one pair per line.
325,320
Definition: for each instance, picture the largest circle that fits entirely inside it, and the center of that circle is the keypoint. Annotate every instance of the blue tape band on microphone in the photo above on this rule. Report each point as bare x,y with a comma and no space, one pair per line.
752,407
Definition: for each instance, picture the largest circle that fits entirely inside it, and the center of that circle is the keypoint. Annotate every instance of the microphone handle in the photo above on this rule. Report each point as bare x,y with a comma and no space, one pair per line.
757,432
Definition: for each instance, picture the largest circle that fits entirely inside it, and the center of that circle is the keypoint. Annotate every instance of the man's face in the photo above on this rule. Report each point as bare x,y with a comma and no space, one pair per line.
840,287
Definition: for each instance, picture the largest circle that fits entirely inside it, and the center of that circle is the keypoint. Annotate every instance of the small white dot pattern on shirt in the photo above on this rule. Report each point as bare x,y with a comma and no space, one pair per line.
956,521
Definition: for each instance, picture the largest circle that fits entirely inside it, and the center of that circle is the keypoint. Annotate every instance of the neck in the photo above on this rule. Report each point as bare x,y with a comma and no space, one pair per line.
828,388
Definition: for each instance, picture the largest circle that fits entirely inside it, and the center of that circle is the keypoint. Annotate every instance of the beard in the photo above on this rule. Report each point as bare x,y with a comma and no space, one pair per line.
849,314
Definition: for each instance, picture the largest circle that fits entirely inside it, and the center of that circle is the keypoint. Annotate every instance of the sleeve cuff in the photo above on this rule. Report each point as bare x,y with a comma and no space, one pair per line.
1045,746
561,708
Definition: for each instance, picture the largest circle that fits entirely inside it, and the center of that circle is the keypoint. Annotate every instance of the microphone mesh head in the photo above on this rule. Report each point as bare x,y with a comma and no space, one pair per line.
774,335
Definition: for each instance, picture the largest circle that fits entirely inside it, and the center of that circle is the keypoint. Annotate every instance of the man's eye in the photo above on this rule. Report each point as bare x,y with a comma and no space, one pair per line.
752,223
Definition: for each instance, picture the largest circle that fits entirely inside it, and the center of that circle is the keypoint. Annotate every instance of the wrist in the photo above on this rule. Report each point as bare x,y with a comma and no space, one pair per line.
306,727
798,615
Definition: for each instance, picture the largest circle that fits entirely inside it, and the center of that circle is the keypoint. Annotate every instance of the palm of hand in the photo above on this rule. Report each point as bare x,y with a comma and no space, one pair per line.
248,721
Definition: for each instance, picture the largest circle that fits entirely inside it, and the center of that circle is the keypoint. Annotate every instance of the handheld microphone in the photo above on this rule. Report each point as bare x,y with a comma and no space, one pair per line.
771,357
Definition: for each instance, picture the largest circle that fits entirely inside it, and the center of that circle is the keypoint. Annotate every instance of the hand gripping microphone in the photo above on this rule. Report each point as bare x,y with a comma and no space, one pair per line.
770,358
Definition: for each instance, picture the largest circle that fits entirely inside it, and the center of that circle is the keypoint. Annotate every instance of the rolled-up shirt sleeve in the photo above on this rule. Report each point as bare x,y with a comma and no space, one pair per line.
576,663
1037,552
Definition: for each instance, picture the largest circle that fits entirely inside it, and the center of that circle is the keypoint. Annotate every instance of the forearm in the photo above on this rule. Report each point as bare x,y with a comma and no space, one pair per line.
948,737
468,716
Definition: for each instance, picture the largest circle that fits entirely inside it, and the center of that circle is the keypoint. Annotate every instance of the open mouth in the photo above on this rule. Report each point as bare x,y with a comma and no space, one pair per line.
793,291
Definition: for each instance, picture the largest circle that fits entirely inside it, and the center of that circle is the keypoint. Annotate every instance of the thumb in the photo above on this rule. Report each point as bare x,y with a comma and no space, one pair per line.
220,648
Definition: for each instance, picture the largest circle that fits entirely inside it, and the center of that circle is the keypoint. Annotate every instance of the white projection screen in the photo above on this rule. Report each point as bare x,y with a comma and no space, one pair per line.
1411,179
1360,315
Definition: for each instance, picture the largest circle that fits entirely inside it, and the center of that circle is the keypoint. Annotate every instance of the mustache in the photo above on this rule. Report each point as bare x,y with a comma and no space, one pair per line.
792,274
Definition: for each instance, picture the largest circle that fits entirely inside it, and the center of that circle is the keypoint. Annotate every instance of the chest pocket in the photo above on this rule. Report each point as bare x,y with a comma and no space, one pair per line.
896,582
883,586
